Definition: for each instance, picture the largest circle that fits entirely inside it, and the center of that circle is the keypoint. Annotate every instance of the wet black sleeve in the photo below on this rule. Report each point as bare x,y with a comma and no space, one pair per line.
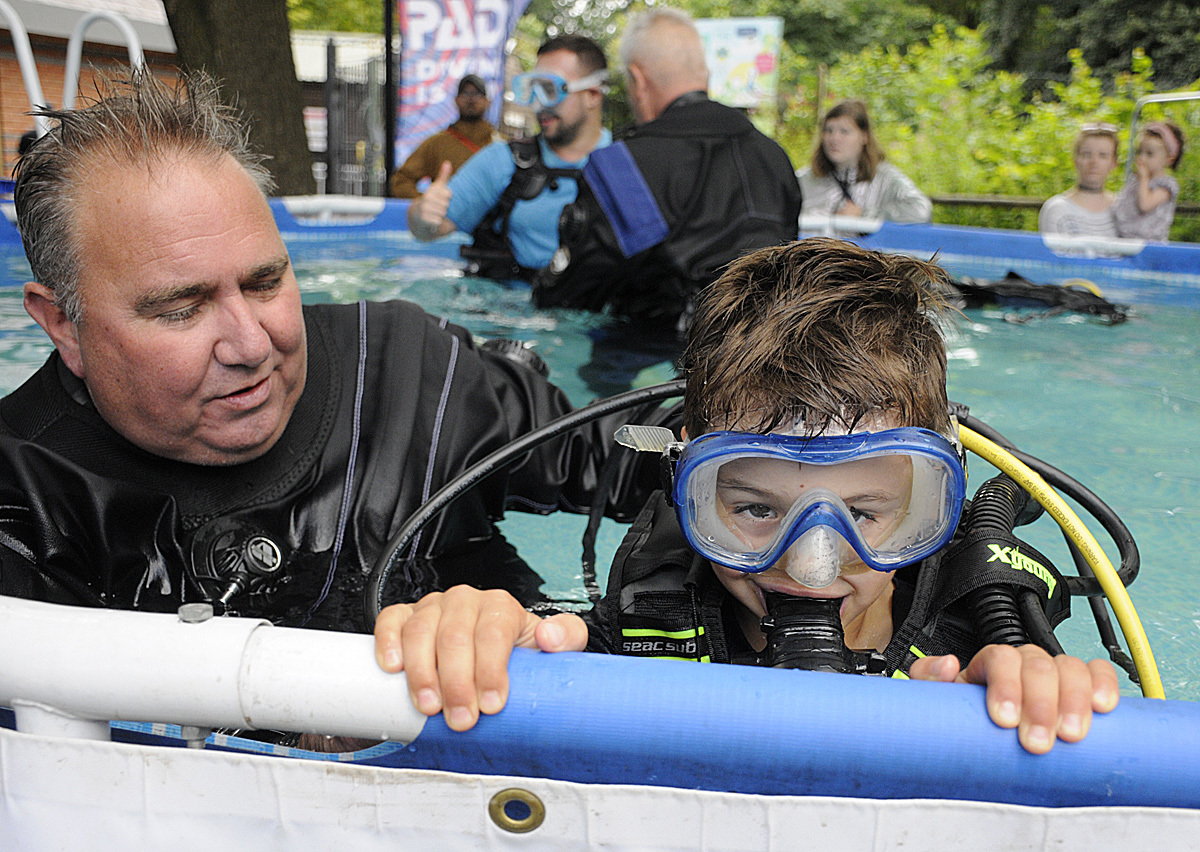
564,473
600,631
67,536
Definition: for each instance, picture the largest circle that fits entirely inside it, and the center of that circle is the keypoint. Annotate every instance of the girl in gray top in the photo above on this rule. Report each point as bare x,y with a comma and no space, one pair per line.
1145,206
848,175
1086,209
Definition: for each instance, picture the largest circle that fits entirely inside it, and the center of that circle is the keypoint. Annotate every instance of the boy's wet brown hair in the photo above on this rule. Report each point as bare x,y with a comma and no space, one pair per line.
821,330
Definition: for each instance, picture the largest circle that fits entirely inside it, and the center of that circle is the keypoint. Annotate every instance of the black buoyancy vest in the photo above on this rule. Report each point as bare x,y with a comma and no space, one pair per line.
655,607
490,253
721,187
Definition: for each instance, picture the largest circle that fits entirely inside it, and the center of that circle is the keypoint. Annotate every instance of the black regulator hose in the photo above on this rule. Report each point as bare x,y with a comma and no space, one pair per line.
373,593
1004,616
807,633
995,507
608,475
1108,635
1086,583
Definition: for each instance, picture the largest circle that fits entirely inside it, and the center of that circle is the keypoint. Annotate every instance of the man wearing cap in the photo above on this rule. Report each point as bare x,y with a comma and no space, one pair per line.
454,145
509,195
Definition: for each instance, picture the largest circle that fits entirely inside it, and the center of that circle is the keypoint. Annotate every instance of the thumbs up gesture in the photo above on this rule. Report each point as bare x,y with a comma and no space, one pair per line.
427,215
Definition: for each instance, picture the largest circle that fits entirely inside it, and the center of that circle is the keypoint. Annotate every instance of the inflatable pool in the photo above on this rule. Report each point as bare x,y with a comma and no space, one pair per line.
592,752
645,753
1130,271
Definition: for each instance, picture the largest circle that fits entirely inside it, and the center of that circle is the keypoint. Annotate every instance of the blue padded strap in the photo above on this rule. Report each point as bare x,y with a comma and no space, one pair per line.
625,199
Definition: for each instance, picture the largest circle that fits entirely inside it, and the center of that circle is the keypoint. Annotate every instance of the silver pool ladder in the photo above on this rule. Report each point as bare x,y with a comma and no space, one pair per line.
75,50
29,72
1164,97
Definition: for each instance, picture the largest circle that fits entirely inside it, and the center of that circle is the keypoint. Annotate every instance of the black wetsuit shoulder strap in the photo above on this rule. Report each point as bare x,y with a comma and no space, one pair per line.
490,252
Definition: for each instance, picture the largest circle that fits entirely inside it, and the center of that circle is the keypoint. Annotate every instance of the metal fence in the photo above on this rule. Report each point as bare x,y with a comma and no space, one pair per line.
354,108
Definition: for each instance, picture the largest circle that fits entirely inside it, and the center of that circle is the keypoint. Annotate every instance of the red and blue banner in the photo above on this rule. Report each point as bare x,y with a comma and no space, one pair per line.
441,41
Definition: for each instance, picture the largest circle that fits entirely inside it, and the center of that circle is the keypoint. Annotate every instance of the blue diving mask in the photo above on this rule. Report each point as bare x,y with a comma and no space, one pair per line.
746,500
549,89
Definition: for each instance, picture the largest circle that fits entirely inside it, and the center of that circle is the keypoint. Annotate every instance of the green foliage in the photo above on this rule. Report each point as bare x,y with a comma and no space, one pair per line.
957,127
597,19
945,111
1036,35
354,16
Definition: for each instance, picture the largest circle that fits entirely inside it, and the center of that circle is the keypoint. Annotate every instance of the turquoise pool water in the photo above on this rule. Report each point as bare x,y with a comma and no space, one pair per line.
1116,407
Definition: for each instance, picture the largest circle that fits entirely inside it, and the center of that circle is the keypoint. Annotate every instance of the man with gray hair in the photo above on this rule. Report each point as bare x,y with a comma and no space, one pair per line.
197,434
689,189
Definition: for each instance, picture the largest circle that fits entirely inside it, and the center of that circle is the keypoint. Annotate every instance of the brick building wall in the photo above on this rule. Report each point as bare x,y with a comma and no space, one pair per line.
50,54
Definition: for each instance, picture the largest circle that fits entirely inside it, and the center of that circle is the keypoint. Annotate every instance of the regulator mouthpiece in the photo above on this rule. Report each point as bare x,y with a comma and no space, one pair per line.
807,633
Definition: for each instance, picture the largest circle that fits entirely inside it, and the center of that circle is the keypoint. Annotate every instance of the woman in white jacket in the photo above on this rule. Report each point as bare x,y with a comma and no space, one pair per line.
1085,210
848,175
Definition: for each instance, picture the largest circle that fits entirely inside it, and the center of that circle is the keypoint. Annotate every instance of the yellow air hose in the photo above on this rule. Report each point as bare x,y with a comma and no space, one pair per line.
1082,284
1114,589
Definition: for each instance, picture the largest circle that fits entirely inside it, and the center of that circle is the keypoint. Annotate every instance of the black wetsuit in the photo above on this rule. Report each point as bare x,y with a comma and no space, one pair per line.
663,600
722,188
88,518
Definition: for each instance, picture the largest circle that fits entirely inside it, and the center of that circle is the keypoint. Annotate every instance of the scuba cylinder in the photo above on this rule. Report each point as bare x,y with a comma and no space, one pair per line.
806,633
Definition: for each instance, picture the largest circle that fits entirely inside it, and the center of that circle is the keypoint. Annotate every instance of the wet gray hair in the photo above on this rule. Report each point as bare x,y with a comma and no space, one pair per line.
685,57
134,119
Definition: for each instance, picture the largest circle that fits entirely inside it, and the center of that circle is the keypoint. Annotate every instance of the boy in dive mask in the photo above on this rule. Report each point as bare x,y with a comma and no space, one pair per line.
820,471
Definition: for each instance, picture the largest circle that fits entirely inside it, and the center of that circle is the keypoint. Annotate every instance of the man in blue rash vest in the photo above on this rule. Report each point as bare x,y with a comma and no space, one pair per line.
819,473
676,198
509,195
197,434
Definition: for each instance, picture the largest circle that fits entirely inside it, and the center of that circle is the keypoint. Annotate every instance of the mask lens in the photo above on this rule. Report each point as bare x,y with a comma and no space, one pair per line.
893,497
547,89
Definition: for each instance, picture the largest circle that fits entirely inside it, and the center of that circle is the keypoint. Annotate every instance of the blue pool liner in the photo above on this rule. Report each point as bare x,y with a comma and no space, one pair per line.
1161,273
593,718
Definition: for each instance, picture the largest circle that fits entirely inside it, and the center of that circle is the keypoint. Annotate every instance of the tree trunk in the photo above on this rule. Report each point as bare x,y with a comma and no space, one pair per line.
246,44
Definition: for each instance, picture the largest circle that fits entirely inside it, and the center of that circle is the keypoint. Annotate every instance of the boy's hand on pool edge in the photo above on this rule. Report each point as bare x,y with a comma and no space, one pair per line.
454,648
1043,697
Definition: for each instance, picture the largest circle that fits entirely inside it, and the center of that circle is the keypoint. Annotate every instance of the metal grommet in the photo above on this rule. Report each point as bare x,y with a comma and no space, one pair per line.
516,810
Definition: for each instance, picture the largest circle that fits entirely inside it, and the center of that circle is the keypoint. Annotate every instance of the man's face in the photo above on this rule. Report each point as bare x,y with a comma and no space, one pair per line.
192,341
562,124
471,103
